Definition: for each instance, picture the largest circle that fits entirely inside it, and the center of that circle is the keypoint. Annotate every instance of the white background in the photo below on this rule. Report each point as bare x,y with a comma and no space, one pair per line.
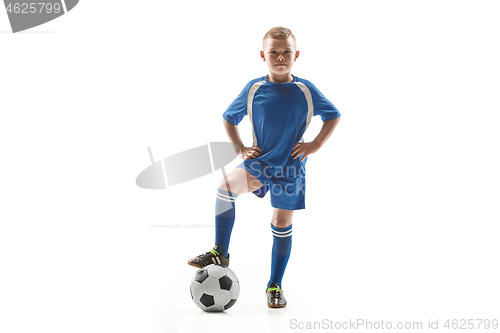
401,218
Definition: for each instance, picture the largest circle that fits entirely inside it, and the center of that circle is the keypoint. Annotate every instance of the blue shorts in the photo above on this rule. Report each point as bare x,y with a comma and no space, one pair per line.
286,192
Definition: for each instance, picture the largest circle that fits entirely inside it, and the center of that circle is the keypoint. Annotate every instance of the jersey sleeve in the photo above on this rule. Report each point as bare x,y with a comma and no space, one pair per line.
238,108
322,106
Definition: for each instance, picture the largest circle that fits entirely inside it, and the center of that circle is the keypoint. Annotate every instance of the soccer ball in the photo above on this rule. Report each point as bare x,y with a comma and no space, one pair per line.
215,288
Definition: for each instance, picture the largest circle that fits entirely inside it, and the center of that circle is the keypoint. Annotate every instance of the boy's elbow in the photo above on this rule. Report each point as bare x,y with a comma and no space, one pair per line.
227,123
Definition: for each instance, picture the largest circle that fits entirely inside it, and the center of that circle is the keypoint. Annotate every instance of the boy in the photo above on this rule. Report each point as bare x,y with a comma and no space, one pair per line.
280,107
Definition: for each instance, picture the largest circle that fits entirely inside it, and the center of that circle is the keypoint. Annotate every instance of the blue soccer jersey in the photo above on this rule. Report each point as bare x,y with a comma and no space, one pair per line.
280,114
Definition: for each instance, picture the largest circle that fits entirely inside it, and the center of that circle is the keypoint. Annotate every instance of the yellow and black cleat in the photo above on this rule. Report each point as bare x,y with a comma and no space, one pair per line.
211,257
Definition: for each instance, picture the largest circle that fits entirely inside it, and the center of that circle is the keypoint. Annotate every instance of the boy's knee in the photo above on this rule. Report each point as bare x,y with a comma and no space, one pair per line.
281,223
223,185
233,187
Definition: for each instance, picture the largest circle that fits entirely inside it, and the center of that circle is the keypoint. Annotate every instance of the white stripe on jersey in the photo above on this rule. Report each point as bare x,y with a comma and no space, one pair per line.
251,93
310,106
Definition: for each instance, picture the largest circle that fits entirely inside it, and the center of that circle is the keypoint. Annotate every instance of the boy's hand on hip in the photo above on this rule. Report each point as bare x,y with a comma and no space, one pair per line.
248,153
306,148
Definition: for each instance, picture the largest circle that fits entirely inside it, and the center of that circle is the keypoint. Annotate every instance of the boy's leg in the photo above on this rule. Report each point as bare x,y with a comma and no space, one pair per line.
281,225
237,182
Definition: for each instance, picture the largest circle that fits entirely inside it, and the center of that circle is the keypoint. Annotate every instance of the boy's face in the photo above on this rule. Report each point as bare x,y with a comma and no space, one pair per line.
279,54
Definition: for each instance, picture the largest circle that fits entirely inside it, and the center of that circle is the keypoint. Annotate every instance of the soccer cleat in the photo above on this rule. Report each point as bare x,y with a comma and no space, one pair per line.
275,297
208,258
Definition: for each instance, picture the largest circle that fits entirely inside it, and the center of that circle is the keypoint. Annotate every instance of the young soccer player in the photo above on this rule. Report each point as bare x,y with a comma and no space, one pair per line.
280,107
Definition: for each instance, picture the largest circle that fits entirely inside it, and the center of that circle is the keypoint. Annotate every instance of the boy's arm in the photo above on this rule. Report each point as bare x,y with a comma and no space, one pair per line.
308,148
233,133
326,131
234,136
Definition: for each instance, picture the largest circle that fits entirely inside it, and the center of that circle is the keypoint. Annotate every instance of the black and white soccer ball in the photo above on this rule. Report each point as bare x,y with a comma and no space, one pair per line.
215,288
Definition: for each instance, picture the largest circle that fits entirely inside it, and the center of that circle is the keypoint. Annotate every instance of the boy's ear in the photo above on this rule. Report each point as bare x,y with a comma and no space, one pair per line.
262,55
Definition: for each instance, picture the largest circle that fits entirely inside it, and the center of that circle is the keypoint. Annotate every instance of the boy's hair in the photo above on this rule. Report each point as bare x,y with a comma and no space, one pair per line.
278,33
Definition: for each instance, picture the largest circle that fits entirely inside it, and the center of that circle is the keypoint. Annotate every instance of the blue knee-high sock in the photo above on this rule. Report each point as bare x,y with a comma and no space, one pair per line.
282,246
224,219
